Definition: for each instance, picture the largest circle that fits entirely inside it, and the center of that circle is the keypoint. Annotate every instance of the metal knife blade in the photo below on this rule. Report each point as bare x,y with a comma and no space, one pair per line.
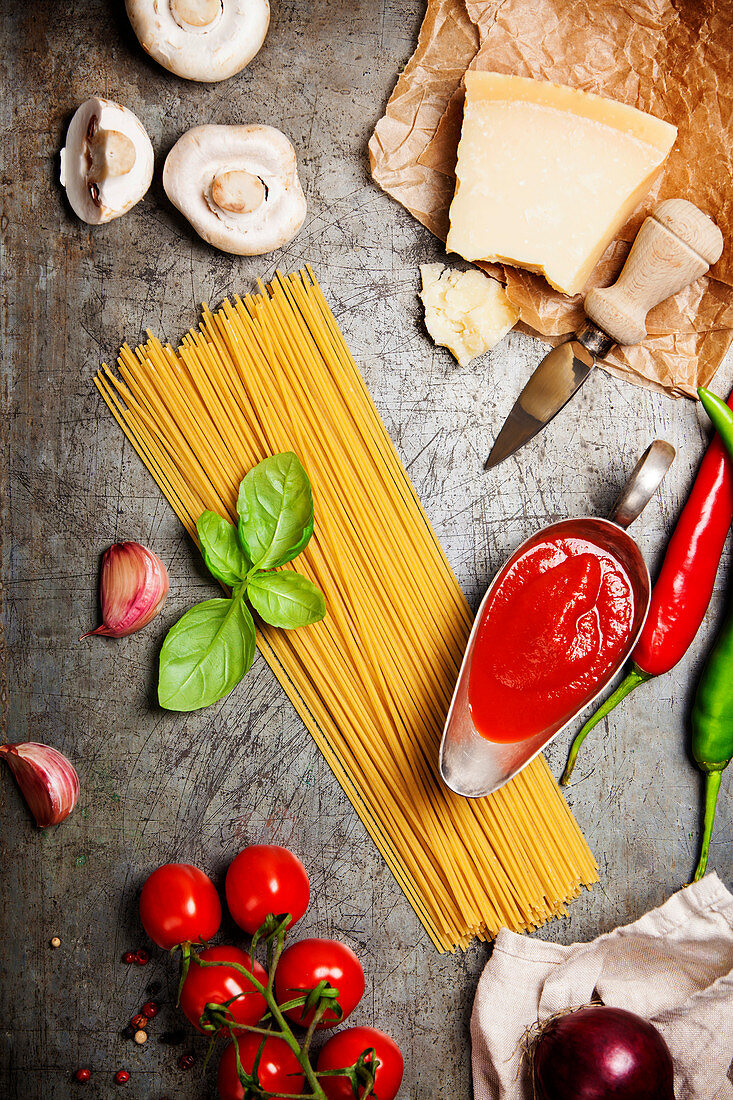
560,374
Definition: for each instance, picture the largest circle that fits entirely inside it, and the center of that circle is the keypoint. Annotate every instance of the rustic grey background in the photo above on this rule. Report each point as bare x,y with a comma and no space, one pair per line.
159,787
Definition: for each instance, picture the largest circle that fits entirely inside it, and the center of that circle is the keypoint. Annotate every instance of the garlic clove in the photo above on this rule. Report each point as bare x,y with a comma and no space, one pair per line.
133,589
47,779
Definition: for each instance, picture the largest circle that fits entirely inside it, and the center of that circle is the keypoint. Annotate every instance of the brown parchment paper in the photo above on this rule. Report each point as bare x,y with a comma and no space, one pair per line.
673,58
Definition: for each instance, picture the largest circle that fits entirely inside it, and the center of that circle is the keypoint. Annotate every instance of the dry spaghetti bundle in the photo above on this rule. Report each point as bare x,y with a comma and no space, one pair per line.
372,681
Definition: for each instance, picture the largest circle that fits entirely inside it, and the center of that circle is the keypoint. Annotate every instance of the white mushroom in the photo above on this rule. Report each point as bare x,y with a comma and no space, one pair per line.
238,186
107,162
200,39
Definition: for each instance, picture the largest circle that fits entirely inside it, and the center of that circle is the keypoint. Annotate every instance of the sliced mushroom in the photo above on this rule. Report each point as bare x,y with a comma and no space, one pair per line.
107,162
203,40
238,186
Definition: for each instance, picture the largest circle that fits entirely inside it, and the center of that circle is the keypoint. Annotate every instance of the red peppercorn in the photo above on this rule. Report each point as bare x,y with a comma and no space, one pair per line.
149,1009
139,1022
83,1074
122,1077
141,957
129,957
186,1061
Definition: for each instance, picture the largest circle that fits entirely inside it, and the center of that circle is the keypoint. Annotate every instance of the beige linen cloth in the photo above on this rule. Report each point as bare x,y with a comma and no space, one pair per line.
674,967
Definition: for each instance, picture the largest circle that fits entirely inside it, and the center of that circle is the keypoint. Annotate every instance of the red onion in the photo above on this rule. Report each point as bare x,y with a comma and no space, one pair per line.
601,1053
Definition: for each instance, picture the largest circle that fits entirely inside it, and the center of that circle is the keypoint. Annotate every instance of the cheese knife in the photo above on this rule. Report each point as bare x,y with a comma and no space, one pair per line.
676,245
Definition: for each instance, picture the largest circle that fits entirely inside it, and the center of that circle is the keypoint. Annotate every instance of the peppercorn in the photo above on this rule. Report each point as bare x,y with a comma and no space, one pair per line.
139,1022
149,1009
83,1074
129,957
141,957
186,1061
122,1077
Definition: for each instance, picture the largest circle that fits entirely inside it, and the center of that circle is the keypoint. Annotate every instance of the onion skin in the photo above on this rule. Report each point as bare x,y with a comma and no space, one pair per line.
47,779
601,1053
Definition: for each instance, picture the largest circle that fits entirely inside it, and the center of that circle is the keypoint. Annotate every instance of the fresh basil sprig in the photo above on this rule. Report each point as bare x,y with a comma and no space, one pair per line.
212,646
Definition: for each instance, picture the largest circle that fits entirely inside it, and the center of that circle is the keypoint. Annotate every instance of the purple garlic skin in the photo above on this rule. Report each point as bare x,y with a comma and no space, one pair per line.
134,588
47,780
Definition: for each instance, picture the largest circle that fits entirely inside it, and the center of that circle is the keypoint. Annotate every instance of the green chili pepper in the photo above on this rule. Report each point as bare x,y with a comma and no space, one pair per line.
712,712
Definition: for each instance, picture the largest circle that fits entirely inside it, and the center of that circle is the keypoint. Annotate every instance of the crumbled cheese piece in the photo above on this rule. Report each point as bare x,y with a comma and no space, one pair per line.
465,311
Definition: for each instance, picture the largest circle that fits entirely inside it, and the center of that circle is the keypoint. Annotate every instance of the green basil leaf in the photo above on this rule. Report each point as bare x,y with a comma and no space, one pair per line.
286,599
275,508
220,548
205,654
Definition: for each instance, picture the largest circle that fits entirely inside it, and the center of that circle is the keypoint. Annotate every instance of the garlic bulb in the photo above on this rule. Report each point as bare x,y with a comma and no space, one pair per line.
134,588
48,781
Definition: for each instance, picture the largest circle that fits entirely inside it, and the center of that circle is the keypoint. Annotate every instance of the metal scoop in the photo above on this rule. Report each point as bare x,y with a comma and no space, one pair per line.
470,764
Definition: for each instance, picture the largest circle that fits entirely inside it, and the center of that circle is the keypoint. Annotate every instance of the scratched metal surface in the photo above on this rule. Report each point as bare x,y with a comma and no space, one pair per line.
158,787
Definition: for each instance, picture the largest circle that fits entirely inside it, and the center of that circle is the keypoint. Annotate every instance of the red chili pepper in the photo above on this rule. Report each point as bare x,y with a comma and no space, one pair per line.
684,586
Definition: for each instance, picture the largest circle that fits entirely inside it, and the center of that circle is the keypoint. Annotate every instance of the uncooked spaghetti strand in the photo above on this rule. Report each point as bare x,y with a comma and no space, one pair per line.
344,521
372,682
164,483
304,450
319,382
345,361
177,446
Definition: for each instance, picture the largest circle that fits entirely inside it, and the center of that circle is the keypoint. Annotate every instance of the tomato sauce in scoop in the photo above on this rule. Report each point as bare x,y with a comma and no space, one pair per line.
552,631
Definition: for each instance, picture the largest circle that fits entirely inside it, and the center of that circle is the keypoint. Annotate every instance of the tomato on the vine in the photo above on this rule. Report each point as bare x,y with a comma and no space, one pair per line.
264,879
218,984
278,1071
308,962
179,904
343,1049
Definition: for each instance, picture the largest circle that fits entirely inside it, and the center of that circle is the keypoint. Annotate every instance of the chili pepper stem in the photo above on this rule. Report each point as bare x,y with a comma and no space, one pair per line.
635,677
712,787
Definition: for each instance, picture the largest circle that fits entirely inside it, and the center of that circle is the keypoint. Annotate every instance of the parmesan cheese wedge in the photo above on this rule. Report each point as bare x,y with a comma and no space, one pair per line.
547,175
465,311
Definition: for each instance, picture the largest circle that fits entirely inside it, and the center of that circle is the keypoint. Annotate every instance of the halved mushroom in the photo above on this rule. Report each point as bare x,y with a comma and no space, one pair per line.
203,40
107,162
238,186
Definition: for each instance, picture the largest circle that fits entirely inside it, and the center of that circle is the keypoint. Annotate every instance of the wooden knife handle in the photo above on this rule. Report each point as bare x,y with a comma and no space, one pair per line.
676,244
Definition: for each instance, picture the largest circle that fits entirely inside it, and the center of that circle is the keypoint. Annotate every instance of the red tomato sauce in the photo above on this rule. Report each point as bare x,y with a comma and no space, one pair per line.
552,631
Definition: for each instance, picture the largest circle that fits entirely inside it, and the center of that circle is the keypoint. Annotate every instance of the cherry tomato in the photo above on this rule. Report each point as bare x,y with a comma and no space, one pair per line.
264,879
217,984
309,962
278,1071
179,904
342,1051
